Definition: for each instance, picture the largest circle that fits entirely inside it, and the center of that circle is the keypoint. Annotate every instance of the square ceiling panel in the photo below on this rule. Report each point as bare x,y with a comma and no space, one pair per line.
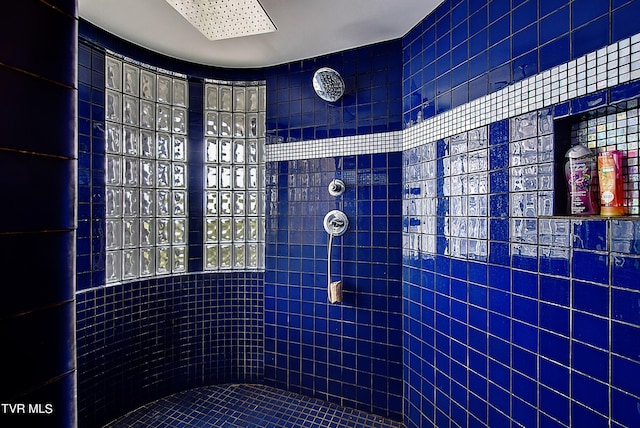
225,19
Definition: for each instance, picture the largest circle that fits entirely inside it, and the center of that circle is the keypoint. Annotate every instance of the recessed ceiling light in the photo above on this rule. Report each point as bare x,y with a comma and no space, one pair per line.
225,19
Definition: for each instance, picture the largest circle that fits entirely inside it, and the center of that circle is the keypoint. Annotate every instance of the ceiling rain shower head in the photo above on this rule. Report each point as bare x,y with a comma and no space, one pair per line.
225,19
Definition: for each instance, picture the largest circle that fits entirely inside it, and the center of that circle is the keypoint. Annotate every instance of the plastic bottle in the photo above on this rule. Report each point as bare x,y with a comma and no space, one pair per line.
611,183
580,169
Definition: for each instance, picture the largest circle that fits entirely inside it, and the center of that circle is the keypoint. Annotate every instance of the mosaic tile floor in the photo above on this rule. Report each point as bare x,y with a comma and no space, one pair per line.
235,406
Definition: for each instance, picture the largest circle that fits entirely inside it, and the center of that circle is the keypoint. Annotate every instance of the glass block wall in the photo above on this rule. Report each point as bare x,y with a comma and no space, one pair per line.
540,332
544,339
140,339
145,171
234,170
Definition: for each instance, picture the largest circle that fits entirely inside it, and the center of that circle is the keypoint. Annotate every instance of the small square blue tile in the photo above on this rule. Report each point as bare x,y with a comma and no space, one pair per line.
624,408
554,318
583,416
524,387
590,234
554,376
625,272
523,412
591,330
591,266
624,340
589,102
555,405
554,25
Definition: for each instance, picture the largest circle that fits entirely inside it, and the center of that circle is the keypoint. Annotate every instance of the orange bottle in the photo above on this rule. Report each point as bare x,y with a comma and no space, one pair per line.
611,183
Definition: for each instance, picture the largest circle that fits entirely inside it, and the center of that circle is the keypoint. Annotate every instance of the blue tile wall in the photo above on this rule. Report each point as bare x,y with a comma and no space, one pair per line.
498,340
518,339
348,353
143,340
37,223
476,48
554,324
91,147
372,101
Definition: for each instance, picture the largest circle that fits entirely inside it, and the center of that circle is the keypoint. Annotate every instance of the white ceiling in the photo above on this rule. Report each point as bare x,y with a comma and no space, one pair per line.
305,28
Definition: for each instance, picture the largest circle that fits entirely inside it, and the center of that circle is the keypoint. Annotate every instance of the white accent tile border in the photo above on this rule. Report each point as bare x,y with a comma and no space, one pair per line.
383,142
607,67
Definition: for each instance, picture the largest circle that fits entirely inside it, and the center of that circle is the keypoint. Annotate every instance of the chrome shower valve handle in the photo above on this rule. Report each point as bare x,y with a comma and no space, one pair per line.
336,223
336,187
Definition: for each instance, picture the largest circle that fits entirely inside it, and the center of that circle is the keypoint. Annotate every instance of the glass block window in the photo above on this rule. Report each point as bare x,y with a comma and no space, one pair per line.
145,171
531,186
466,185
234,175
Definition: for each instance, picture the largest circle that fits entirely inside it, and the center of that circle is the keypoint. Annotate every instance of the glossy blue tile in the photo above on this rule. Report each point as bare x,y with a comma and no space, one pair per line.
589,102
555,405
624,373
554,377
523,16
590,234
478,43
625,91
498,8
551,6
625,306
525,284
524,335
584,416
34,55
498,154
623,340
499,77
525,309
554,264
51,207
478,319
555,347
479,18
499,182
625,272
499,253
554,290
523,412
479,65
460,35
524,388
590,37
590,392
499,229
591,266
479,86
525,66
554,53
591,330
622,22
499,30
561,110
554,318
591,298
621,403
555,24
583,11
